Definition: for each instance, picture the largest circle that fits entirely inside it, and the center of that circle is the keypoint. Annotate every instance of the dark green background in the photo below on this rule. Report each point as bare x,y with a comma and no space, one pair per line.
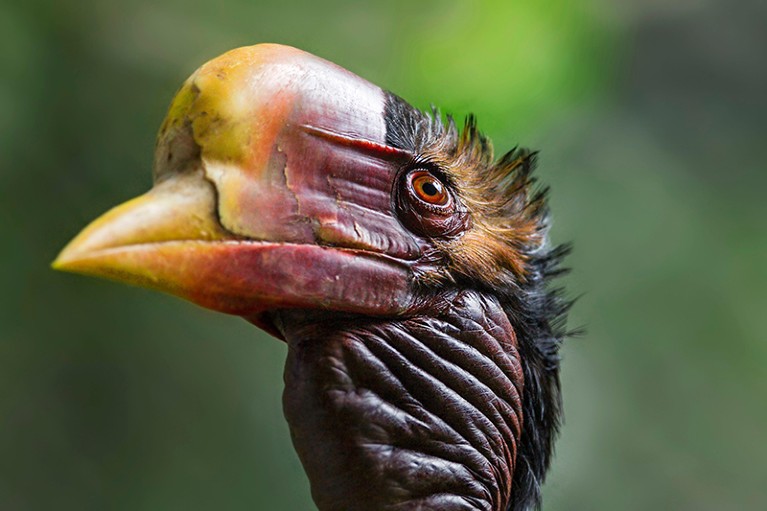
650,116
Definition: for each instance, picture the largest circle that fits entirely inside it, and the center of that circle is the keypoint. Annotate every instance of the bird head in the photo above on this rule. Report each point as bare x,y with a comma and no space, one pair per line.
284,182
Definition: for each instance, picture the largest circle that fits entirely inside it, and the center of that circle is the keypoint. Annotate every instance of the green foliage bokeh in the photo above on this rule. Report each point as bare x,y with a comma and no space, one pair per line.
650,122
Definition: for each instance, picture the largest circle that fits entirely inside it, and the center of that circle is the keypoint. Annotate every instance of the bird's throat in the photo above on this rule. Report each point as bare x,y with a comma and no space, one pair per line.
417,413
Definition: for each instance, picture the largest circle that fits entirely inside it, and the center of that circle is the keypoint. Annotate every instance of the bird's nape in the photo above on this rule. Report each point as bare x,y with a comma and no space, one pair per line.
407,270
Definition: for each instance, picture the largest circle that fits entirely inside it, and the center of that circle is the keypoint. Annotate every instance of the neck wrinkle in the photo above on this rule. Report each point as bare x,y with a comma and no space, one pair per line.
419,413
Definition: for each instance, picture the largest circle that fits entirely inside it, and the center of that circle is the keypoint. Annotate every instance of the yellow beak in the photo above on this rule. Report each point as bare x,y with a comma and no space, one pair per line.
272,190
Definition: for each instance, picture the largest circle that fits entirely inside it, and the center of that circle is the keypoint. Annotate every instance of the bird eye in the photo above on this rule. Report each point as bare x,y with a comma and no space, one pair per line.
427,205
428,188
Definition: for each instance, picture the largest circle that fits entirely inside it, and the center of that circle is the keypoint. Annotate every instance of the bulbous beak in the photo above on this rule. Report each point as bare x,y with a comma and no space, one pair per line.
273,185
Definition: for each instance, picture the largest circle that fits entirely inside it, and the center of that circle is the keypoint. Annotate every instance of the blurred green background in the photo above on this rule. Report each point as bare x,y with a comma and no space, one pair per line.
650,116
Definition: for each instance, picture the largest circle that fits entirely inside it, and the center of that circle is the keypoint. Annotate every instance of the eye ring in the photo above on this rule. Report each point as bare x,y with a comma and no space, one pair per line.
427,205
426,187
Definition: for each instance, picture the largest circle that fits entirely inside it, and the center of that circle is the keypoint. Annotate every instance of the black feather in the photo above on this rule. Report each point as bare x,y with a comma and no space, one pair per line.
536,309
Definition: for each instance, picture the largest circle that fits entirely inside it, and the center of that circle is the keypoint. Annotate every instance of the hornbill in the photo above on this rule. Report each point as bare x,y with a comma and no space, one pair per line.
407,270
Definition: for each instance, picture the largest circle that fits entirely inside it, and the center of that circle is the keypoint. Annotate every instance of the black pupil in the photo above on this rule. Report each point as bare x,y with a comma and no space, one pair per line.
430,188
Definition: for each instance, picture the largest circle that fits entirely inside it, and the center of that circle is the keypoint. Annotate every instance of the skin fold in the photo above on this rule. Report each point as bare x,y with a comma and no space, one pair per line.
420,413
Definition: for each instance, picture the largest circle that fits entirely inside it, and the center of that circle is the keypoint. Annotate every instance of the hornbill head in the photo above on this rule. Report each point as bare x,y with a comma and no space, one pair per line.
404,266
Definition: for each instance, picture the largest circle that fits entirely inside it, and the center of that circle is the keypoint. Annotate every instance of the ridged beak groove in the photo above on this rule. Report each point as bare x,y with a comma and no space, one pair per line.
250,210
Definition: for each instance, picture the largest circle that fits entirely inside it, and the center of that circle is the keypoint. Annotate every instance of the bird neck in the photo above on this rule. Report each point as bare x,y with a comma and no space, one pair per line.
417,413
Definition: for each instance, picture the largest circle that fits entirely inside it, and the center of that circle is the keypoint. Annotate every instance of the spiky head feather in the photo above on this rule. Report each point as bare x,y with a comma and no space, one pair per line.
505,250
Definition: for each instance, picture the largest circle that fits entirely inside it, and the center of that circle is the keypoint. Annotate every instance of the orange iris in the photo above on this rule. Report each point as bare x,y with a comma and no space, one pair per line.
428,188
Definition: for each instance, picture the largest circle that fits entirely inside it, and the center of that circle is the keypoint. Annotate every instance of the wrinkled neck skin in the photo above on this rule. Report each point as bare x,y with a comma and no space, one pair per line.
422,413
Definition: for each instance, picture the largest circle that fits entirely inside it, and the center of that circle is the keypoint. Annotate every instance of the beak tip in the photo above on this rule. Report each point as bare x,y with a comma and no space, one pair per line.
58,264
67,260
62,260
